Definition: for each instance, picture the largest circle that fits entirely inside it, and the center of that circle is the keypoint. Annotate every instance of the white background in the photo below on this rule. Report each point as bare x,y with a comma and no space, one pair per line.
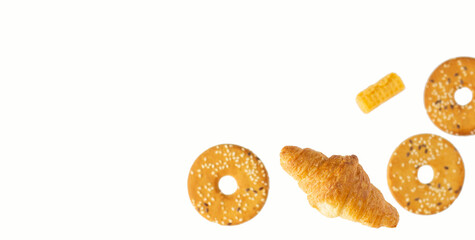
104,106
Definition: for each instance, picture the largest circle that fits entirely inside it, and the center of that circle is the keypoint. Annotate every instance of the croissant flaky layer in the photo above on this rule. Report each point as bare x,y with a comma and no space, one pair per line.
338,186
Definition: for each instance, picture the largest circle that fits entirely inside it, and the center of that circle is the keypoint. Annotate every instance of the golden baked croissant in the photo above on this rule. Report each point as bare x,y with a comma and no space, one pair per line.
338,186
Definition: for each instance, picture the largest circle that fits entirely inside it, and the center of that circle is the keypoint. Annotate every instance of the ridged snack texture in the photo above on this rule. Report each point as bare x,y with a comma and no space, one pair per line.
378,93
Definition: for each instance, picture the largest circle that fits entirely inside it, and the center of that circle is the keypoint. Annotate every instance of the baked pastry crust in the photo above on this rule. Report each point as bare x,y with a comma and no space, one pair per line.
338,186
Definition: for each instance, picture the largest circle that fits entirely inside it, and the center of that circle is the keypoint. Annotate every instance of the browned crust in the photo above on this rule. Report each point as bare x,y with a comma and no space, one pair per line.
439,94
338,186
449,173
248,171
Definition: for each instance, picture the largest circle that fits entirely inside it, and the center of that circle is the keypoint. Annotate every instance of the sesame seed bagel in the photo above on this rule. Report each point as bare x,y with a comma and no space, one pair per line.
439,94
449,173
248,171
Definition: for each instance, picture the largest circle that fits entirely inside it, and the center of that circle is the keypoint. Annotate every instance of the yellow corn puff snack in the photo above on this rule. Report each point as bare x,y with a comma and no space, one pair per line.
380,92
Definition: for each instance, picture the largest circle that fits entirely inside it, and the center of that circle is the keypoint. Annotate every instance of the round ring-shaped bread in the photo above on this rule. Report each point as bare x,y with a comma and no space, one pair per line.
248,171
439,94
449,173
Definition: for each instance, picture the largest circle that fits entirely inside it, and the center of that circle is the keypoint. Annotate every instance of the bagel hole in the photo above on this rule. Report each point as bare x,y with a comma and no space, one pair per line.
227,185
425,174
463,96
